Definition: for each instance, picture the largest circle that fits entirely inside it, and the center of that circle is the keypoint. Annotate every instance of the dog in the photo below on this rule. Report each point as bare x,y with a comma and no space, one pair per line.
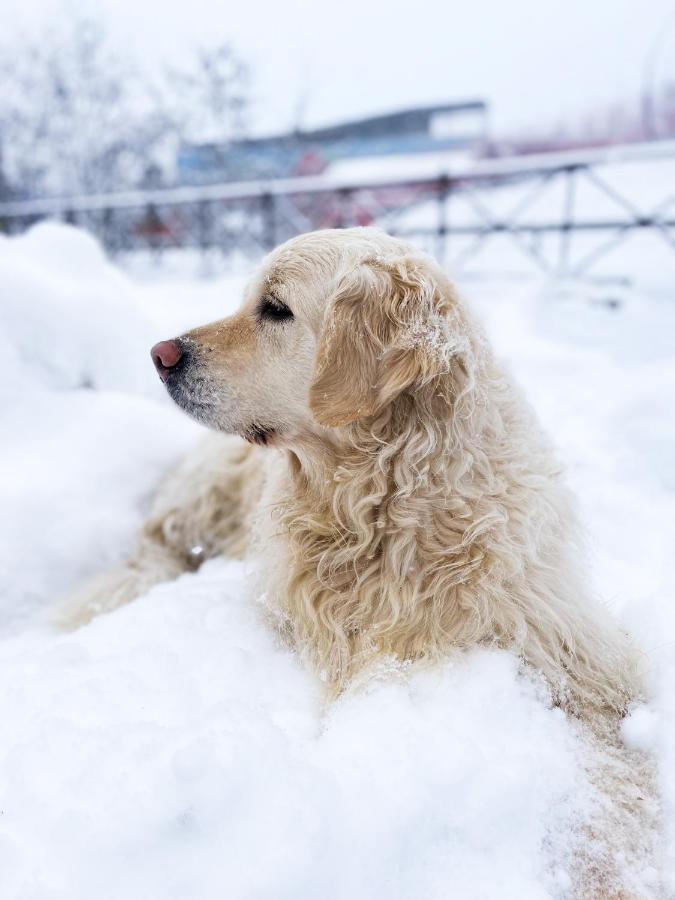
406,500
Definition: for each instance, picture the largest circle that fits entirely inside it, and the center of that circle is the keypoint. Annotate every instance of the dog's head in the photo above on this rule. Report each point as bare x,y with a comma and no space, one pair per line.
334,328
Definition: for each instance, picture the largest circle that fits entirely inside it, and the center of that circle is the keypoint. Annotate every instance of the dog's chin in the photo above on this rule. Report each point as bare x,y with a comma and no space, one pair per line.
201,410
208,413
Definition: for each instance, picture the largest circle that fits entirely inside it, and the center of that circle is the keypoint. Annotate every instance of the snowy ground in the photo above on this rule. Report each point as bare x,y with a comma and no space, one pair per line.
172,749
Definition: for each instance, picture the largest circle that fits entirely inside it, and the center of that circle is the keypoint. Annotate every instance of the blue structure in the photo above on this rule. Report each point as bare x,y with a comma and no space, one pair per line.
449,126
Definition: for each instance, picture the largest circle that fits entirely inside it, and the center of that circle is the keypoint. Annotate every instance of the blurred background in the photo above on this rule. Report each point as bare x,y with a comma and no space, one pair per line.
523,138
150,154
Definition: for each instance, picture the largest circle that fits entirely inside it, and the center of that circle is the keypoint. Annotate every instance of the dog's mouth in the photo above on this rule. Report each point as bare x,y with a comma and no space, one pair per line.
191,395
258,434
195,395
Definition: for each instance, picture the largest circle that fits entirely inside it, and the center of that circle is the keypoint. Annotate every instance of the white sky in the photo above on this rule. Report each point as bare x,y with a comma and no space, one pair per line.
537,61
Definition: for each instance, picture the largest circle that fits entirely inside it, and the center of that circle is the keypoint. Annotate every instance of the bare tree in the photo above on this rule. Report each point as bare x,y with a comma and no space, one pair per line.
77,117
209,97
72,115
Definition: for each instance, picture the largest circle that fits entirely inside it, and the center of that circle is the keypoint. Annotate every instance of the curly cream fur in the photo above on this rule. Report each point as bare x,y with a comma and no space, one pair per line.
415,505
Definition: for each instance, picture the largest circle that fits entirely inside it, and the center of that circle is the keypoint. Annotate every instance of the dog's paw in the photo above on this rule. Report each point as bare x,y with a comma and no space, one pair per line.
99,595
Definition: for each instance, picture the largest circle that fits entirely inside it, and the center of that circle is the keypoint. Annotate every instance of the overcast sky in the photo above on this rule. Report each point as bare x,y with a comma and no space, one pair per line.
536,61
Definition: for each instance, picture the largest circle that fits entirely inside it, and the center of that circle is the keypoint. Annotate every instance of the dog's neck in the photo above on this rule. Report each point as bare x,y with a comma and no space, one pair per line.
370,518
385,483
407,449
391,527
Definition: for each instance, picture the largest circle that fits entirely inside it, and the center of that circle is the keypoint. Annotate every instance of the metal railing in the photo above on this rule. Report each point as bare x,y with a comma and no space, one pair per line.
257,215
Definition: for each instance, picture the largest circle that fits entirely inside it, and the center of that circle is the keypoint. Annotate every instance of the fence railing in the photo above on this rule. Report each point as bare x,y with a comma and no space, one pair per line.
457,207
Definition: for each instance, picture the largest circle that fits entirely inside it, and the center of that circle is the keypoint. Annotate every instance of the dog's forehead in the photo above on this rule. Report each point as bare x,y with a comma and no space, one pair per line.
302,283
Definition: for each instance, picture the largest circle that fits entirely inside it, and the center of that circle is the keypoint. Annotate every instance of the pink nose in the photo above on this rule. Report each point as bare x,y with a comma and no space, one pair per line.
165,356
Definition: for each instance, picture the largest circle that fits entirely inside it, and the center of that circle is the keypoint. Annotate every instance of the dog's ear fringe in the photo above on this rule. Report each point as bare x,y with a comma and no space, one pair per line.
343,388
388,328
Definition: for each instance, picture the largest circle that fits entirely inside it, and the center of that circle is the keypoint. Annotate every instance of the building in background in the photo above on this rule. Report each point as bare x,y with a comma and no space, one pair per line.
446,127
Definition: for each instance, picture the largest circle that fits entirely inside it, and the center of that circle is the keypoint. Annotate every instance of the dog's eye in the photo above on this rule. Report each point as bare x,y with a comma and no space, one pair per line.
273,309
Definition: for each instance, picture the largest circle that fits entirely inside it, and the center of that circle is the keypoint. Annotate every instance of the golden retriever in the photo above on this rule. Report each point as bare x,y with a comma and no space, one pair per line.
405,499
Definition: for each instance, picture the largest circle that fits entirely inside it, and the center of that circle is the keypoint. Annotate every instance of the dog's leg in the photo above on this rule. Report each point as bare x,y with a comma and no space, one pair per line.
202,510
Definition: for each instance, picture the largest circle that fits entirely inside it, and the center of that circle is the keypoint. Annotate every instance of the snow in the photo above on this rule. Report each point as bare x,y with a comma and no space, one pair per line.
173,748
175,751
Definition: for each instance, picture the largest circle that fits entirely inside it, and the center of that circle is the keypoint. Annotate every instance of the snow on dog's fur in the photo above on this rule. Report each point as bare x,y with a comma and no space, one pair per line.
406,499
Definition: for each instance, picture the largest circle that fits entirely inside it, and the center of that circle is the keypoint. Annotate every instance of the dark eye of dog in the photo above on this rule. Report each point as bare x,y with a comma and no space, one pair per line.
273,309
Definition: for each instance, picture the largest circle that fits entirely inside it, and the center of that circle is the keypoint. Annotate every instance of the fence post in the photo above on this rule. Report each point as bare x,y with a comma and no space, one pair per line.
204,226
343,197
442,225
269,221
107,238
567,223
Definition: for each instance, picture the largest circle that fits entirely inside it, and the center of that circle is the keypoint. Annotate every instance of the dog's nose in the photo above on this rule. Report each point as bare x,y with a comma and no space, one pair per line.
165,356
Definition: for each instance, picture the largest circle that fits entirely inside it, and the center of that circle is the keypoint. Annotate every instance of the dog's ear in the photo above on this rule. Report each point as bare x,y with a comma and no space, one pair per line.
388,328
345,375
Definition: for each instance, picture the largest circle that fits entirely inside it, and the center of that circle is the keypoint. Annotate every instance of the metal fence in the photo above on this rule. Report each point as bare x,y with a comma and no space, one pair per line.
250,216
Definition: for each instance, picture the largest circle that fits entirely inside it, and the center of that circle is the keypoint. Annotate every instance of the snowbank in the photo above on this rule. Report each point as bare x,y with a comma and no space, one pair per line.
87,429
173,749
68,319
